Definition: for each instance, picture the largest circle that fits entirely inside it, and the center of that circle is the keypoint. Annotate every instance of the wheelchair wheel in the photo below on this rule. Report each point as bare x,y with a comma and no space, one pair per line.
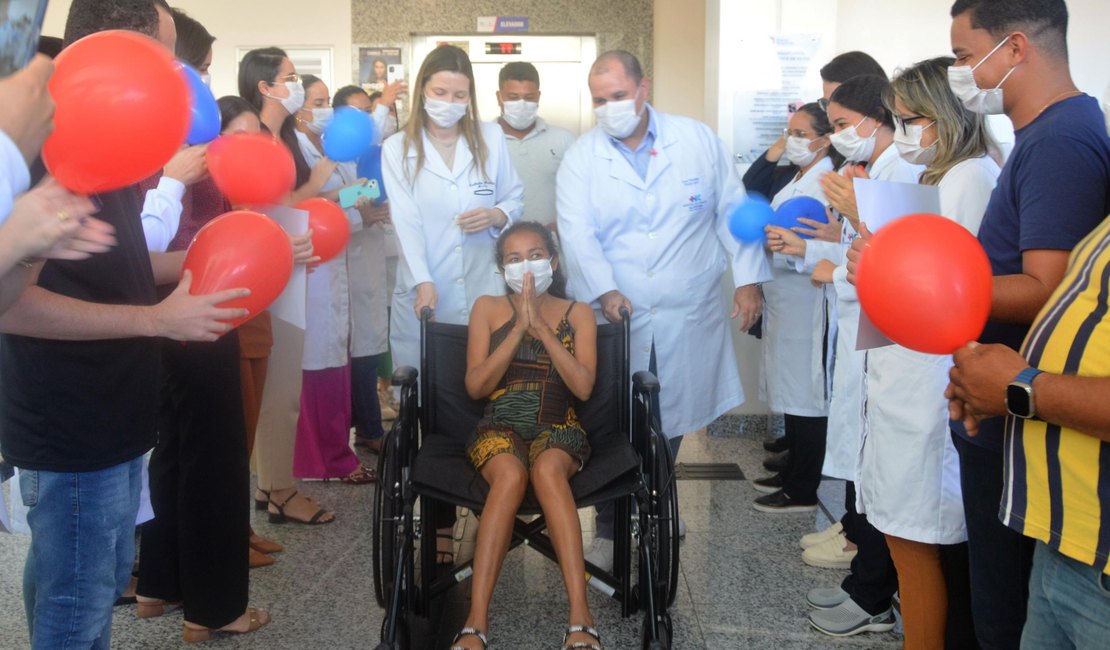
665,538
664,633
384,535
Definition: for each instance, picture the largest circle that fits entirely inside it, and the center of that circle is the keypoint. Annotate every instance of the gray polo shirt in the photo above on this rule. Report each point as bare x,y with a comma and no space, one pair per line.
536,158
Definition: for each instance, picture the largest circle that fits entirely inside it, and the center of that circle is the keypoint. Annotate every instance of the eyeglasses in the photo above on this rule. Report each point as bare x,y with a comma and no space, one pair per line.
293,76
902,120
797,133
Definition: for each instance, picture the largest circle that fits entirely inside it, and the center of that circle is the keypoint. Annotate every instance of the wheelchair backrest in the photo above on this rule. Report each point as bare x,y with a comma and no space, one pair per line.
448,410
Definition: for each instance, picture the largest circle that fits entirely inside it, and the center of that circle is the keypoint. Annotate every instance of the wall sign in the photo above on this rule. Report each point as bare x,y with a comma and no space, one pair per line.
502,23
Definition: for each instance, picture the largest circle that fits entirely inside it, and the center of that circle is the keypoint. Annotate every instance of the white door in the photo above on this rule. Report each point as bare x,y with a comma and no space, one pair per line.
563,63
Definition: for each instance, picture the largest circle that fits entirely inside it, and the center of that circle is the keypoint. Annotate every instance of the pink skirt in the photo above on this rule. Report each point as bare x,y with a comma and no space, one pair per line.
323,447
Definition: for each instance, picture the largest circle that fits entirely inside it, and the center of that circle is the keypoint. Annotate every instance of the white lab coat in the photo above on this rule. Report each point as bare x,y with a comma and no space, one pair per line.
845,430
909,474
663,242
327,318
432,247
794,323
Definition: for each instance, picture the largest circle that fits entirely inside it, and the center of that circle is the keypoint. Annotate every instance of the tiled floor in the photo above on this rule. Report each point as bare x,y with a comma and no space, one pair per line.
743,581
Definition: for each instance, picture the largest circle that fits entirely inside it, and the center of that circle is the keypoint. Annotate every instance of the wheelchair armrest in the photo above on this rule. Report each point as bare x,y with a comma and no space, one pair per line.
404,376
644,382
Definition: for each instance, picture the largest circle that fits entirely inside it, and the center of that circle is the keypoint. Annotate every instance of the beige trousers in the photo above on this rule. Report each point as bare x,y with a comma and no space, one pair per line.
281,404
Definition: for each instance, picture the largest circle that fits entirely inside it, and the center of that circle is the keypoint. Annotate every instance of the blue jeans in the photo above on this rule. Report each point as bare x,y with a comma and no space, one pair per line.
1069,604
82,550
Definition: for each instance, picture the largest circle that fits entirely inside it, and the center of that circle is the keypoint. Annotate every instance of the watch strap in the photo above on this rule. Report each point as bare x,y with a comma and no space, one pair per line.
1026,376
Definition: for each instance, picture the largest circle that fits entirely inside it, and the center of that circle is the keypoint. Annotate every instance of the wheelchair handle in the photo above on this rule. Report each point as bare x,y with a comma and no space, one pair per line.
426,313
624,313
404,376
645,381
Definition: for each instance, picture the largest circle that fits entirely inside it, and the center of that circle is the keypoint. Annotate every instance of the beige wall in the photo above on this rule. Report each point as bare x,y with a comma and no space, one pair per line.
679,58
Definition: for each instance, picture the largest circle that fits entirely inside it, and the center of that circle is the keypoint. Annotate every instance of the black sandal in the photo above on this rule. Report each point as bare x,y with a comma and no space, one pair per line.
445,558
280,517
581,645
469,631
262,504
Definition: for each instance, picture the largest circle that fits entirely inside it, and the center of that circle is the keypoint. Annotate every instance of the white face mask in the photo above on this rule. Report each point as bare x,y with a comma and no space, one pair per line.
295,100
909,145
961,79
321,117
444,114
206,79
541,270
619,119
850,145
519,114
797,151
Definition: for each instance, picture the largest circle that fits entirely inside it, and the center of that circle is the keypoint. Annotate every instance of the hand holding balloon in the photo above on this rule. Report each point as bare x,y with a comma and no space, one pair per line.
188,165
858,244
926,283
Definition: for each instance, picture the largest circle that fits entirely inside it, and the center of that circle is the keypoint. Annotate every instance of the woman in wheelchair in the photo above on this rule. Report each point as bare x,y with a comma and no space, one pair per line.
531,353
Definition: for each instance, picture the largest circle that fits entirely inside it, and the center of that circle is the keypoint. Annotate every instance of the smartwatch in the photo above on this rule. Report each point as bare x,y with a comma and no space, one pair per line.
1019,394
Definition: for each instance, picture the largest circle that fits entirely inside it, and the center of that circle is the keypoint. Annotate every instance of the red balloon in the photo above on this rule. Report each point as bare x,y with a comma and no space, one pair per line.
330,228
926,283
122,111
241,249
251,168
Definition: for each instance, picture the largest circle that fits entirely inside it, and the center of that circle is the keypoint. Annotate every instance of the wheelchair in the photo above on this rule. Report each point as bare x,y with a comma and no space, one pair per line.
423,466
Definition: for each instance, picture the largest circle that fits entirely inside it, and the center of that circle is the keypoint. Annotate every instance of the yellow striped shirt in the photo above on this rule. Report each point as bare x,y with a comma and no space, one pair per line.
1057,480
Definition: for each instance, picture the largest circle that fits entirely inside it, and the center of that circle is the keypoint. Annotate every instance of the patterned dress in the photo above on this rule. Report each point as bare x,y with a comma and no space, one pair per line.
531,410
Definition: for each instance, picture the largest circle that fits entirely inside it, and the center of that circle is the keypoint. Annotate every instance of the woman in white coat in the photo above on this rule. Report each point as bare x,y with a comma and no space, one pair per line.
322,449
452,188
795,327
909,481
864,135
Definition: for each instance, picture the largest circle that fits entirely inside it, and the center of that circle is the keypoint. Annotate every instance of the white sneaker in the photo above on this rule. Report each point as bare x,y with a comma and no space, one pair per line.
601,554
813,539
830,554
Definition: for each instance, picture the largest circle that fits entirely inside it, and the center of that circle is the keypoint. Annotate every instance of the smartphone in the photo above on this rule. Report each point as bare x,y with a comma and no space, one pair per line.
394,72
349,196
19,33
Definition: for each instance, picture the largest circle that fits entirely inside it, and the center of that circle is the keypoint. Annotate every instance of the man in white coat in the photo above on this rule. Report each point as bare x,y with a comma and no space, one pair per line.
641,202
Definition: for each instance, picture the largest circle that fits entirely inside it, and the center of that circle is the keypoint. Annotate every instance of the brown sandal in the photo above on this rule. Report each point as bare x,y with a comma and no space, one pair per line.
152,608
257,560
263,545
316,519
197,634
363,475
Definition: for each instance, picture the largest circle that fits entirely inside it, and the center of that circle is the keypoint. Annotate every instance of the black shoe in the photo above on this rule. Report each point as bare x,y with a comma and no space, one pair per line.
780,502
776,445
777,463
769,485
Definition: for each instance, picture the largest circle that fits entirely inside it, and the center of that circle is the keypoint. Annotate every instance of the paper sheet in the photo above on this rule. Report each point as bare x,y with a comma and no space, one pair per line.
290,305
879,203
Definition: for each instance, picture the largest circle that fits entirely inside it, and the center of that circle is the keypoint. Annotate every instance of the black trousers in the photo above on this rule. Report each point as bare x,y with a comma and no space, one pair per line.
195,549
1001,559
806,438
873,579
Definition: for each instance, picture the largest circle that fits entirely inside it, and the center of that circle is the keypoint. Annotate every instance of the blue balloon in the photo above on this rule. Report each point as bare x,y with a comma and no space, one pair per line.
349,135
370,168
205,124
800,207
747,220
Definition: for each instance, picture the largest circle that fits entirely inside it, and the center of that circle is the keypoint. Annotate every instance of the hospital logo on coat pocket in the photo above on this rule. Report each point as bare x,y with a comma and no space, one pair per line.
482,188
695,203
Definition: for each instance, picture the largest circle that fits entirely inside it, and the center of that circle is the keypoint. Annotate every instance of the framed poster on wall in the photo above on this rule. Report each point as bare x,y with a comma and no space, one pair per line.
378,66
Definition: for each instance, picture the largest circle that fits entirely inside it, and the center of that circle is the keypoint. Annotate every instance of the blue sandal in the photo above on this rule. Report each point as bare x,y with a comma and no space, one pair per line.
581,645
469,631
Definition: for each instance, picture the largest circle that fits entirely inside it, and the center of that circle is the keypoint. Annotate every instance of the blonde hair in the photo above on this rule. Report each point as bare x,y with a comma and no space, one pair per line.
961,134
445,58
